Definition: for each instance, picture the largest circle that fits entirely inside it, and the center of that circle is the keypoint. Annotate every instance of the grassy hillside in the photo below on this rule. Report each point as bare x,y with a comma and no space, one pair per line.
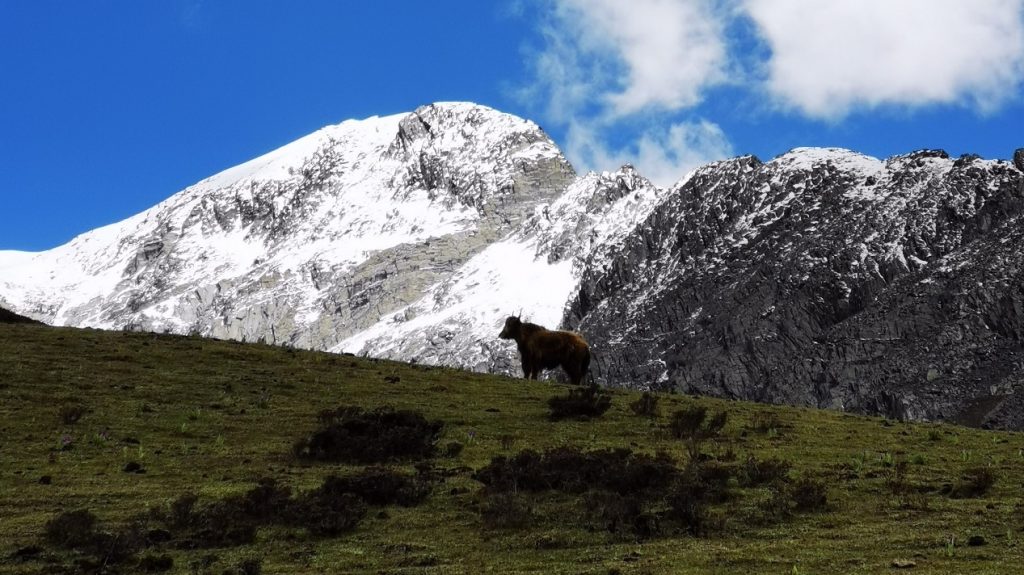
125,425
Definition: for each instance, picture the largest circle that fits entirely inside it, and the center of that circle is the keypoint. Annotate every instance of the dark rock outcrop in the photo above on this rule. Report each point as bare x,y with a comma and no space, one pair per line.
7,316
828,279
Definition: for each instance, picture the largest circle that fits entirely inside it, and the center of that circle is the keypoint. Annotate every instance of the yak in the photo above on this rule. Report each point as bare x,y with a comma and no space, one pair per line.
541,348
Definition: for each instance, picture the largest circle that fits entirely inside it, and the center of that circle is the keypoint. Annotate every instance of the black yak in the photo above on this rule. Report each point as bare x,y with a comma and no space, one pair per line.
541,348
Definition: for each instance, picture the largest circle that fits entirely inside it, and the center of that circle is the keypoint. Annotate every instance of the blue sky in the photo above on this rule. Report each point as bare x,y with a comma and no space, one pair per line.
109,107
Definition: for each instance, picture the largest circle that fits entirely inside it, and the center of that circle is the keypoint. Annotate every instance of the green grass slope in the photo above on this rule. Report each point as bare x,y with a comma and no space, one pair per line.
193,416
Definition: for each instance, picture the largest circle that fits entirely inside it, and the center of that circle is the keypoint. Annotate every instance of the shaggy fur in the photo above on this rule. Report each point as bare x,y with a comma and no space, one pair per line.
541,348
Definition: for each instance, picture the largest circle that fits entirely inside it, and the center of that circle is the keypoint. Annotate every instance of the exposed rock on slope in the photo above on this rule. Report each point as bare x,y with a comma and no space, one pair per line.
824,278
534,270
7,316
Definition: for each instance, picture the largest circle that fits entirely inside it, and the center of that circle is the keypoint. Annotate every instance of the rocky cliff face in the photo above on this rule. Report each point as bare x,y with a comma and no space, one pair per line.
824,278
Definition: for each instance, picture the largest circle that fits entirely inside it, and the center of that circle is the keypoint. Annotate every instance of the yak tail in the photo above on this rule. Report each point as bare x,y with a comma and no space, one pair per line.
585,366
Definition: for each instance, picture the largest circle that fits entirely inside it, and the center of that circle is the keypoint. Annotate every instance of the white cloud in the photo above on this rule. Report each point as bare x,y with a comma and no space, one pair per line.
662,155
828,58
606,63
627,80
666,52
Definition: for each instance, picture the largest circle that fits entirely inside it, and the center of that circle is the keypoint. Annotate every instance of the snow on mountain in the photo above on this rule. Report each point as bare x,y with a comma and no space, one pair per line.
310,243
533,271
824,278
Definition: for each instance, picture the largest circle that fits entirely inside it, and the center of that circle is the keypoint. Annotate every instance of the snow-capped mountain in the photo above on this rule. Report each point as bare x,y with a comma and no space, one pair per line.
309,244
822,277
825,278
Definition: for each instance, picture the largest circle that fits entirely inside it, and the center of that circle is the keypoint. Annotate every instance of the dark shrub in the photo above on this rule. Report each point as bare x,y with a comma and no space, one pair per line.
70,414
228,522
715,477
581,403
693,426
505,511
975,482
221,524
693,423
688,504
250,566
377,486
180,515
453,449
757,472
27,553
777,507
156,563
330,514
265,502
570,470
700,485
78,530
507,440
896,478
351,434
805,494
622,514
133,467
72,529
646,406
809,494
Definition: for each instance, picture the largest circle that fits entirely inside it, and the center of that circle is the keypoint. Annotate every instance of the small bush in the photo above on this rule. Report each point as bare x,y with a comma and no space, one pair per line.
507,440
777,506
156,563
646,406
252,566
694,423
331,514
570,470
805,494
688,504
622,514
975,482
809,494
896,478
351,434
71,414
581,403
756,472
505,511
335,507
180,515
453,449
72,529
378,486
265,502
221,524
693,426
77,530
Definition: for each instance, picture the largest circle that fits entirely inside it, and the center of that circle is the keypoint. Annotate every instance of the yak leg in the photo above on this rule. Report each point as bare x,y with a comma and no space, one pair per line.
577,369
574,374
